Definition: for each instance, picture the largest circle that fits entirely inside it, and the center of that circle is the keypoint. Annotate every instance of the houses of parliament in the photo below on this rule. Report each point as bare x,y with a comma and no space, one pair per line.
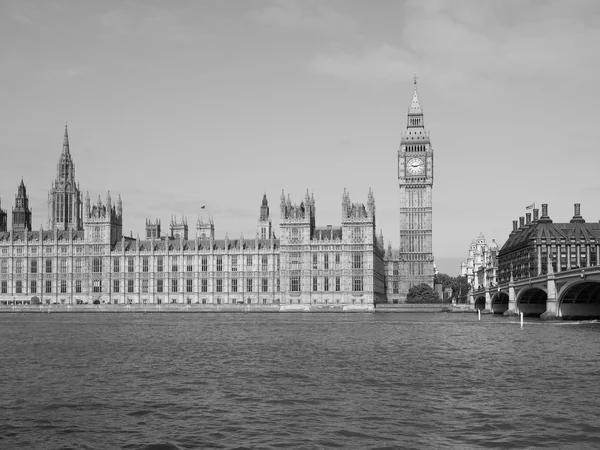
82,256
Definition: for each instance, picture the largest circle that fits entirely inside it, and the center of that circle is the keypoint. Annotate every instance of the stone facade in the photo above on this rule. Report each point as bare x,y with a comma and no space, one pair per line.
415,178
83,256
481,267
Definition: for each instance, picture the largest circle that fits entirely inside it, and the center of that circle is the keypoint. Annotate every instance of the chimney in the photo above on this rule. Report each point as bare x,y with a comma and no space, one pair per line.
514,225
536,215
577,216
521,222
528,219
545,218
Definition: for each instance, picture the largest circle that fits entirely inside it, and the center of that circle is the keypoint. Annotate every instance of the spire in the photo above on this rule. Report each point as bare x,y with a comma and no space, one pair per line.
415,107
66,142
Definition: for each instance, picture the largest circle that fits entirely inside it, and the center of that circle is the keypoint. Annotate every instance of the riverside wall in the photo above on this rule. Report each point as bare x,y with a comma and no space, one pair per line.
195,308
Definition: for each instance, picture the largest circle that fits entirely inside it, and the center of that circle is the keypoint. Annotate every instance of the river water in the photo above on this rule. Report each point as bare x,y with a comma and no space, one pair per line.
179,381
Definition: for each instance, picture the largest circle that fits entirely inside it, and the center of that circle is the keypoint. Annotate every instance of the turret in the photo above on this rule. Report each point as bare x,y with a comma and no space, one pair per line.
21,214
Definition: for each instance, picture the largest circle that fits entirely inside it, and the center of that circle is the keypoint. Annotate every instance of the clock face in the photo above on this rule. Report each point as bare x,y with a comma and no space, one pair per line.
415,166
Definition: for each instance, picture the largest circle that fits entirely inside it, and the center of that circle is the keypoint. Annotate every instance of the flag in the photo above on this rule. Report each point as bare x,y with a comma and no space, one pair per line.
532,206
202,207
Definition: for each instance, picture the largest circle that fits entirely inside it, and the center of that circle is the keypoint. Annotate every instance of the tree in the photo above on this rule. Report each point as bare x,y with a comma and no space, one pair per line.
459,284
422,293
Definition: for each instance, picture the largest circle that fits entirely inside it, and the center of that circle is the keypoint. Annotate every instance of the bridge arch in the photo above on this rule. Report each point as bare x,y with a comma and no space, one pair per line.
480,303
580,300
532,301
500,302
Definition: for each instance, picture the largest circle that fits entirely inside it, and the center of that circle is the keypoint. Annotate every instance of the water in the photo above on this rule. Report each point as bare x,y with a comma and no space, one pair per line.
178,381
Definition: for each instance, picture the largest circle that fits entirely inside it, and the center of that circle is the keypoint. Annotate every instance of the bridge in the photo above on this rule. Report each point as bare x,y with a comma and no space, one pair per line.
569,294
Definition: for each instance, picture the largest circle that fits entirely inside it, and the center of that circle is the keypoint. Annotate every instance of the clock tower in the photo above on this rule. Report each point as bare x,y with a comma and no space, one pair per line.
415,178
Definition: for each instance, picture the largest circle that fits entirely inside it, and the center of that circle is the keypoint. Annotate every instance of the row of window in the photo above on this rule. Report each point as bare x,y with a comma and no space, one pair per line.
145,264
326,285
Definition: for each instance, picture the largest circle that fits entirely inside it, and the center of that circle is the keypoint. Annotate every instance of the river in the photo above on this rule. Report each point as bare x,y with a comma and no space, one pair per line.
386,381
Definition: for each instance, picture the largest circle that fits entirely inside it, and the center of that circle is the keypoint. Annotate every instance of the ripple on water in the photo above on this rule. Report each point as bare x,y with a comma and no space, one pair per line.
280,381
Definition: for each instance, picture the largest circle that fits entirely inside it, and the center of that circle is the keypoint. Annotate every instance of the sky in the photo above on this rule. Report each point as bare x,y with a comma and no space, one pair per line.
174,105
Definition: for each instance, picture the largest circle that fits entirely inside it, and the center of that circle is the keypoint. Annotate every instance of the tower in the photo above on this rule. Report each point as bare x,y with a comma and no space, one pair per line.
21,214
415,179
103,223
205,230
64,199
3,220
153,229
179,230
265,230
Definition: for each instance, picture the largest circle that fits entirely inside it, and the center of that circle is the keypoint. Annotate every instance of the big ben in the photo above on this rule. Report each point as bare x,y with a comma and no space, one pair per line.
415,179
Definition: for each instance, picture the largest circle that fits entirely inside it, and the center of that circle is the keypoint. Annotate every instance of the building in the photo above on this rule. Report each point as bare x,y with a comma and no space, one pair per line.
83,257
413,262
537,246
481,267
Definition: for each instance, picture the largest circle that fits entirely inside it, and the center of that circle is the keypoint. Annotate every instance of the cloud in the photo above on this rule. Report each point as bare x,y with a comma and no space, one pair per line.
384,63
466,41
142,20
304,15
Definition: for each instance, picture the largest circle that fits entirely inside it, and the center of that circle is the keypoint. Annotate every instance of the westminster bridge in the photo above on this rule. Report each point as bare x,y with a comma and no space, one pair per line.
569,294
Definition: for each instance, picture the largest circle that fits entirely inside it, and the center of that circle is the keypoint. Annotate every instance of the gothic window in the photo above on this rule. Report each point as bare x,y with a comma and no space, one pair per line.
33,287
130,286
234,285
278,284
145,286
395,287
204,264
78,286
357,284
48,265
189,285
295,284
326,284
63,286
4,287
264,263
265,285
19,287
295,260
326,261
97,286
315,284
338,259
97,265
204,285
18,266
78,265
219,285
315,261
337,284
63,266
219,263
249,285
145,264
357,260
174,286
159,285
395,268
159,264
295,234
34,266
116,286
249,261
263,233
130,265
278,262
234,263
190,264
174,264
4,266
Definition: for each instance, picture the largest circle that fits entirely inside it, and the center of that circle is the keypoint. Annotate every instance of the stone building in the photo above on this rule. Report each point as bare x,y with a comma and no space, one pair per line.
83,257
413,262
537,243
481,266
